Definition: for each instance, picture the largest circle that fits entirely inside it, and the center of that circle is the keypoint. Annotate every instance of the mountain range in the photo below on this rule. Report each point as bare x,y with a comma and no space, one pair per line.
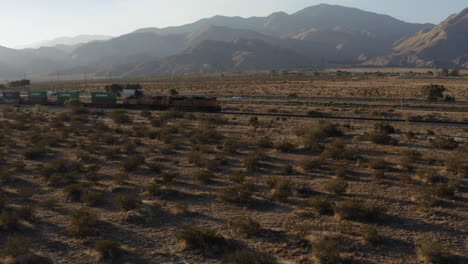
445,45
317,36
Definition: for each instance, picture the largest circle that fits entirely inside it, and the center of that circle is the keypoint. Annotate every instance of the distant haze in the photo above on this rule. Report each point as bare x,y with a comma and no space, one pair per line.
31,21
69,41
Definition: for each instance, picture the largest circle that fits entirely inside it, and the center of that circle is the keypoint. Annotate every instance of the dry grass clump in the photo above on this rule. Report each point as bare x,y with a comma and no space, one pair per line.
245,226
340,170
206,241
337,150
133,162
264,142
378,164
371,235
447,143
358,211
107,249
430,251
457,162
127,201
83,222
381,137
284,146
281,188
238,194
203,176
61,172
408,158
35,152
440,190
325,251
321,205
336,186
311,164
120,117
231,144
252,162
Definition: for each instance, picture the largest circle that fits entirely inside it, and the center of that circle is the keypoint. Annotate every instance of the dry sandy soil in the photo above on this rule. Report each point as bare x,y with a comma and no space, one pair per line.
359,87
407,206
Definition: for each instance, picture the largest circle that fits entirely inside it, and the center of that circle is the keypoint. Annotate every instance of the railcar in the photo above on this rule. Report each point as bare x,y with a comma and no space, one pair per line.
11,97
38,97
127,99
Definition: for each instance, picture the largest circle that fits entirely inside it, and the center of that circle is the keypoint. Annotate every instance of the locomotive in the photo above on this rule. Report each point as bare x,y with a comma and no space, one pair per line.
128,98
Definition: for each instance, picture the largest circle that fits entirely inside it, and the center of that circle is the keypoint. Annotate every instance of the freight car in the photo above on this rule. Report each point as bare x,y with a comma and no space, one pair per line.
127,99
11,97
136,98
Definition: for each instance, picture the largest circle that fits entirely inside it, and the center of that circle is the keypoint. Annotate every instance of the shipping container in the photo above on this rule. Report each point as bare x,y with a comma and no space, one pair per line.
41,94
64,96
103,99
39,97
11,97
104,96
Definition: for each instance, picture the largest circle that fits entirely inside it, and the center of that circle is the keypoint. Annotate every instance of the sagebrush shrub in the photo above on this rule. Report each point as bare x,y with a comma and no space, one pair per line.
73,192
371,235
208,241
432,251
264,142
239,193
127,201
120,117
447,143
378,164
133,162
245,226
92,198
83,222
358,211
252,162
326,251
281,188
203,175
169,177
311,164
231,144
284,146
321,205
337,186
107,249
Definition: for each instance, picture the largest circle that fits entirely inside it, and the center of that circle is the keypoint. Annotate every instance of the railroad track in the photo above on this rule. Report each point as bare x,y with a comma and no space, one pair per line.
366,119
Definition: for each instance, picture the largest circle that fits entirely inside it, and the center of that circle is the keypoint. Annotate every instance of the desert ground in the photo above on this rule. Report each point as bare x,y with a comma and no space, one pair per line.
83,185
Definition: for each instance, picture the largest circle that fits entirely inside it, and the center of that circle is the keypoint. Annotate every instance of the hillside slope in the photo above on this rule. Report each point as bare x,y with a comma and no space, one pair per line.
446,45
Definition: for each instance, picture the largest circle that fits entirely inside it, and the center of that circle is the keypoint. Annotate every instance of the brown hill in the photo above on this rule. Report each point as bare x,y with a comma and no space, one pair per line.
218,56
444,45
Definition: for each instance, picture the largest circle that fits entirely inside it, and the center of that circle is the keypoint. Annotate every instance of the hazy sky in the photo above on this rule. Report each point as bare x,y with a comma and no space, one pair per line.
28,21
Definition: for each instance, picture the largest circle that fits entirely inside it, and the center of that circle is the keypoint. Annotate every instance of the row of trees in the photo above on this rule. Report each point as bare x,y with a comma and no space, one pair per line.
118,88
16,84
448,73
435,92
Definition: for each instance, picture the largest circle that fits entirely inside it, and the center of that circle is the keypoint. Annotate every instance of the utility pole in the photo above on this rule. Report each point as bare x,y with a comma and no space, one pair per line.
85,84
401,100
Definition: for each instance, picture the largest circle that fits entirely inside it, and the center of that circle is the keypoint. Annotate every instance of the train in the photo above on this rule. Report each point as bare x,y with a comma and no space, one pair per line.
128,98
